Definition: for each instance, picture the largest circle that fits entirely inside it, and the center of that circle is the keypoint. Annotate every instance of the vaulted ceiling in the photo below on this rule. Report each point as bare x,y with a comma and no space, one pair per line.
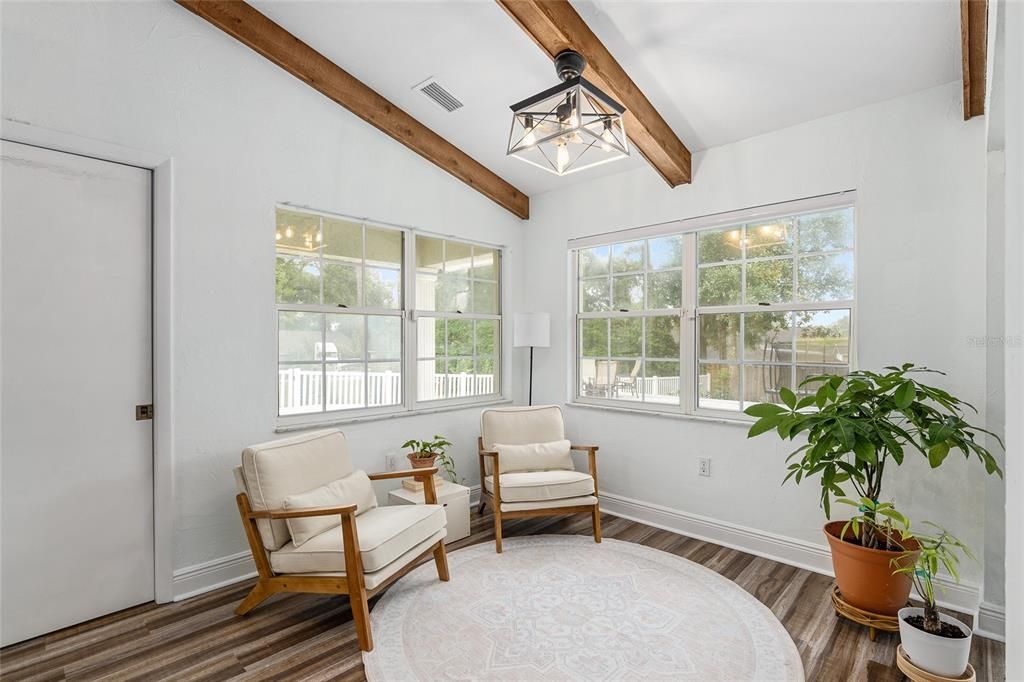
716,71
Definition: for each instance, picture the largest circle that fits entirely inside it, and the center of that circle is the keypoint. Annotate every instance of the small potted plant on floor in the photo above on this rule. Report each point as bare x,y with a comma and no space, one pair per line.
424,453
933,641
856,427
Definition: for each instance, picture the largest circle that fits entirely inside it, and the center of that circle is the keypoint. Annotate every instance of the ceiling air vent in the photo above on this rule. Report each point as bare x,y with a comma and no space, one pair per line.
444,99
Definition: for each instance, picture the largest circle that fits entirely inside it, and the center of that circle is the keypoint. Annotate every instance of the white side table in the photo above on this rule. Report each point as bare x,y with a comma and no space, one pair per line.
455,499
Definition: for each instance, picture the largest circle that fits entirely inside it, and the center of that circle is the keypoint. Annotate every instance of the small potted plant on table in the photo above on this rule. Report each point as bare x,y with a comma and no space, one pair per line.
425,452
933,641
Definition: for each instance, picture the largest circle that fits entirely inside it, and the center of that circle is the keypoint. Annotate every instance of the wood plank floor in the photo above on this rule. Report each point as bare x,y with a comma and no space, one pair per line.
308,637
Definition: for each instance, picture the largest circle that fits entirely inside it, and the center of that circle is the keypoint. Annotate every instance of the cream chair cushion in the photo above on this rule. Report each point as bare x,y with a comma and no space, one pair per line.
535,456
352,489
279,468
539,486
520,426
583,501
385,534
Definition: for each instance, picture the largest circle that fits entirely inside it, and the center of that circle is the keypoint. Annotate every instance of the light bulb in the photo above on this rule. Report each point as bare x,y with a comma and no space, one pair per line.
562,157
289,232
530,139
277,235
319,237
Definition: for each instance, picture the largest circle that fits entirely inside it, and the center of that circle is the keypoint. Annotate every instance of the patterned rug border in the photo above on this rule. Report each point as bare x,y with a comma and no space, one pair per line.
423,576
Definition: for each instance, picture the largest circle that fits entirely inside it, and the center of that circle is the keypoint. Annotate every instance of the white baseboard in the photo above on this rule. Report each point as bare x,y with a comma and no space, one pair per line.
800,553
991,621
211,575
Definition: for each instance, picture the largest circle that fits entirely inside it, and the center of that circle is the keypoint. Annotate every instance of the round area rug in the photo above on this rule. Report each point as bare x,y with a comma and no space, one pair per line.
555,607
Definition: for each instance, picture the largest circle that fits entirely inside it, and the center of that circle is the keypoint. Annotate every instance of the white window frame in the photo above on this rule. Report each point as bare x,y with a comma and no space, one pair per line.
409,315
688,361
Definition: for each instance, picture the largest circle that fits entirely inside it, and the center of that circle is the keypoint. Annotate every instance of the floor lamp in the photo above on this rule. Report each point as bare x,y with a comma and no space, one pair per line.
533,330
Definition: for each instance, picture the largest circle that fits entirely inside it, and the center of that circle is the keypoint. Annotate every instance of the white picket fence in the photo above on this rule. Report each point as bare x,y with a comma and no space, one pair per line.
299,390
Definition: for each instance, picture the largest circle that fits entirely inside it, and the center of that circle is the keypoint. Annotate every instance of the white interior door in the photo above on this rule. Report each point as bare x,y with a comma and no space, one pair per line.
76,533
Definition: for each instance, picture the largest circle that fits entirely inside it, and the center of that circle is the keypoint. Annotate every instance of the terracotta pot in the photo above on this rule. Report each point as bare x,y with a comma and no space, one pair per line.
865,576
418,461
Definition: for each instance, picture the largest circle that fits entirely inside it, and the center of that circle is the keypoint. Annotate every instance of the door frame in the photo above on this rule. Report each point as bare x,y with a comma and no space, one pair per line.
162,168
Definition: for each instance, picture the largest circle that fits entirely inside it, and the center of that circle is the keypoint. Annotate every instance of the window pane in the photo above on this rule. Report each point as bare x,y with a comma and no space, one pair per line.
761,383
430,379
453,291
662,337
300,336
385,387
460,337
297,233
665,252
661,382
343,240
588,378
341,283
719,285
628,380
826,278
664,290
485,263
628,257
458,257
486,376
460,378
382,288
829,231
626,337
714,246
594,262
485,297
384,338
594,335
345,334
440,339
346,385
719,337
298,279
770,281
823,337
768,337
384,247
718,386
773,238
486,337
299,389
429,262
628,292
594,295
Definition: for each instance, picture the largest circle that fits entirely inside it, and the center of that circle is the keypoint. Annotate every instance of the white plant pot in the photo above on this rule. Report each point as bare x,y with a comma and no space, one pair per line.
938,655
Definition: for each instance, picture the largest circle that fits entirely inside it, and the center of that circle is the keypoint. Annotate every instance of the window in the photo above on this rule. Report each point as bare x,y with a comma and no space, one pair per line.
343,296
709,318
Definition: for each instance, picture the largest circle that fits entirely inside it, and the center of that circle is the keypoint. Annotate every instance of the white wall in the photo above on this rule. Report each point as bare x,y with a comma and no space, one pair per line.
243,135
919,172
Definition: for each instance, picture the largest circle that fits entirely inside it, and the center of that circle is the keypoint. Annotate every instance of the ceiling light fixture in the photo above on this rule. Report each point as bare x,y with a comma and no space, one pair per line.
569,127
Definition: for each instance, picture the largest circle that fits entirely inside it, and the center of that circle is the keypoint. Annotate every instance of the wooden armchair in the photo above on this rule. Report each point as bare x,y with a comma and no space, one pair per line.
521,493
368,549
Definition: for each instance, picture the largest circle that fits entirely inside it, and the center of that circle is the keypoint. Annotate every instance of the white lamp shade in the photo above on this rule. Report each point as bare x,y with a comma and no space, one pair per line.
531,329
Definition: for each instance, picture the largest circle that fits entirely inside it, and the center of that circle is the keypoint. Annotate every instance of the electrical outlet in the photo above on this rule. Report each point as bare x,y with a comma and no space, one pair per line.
704,466
390,463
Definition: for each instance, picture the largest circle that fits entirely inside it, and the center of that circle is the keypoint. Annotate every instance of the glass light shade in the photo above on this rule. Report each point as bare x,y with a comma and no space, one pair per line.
567,128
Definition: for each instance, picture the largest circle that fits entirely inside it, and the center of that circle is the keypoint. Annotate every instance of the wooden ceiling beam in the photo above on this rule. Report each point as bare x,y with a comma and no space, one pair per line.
555,26
974,54
247,25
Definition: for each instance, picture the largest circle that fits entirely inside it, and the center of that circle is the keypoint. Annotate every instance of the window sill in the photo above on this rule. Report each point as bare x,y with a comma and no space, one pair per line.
728,420
341,420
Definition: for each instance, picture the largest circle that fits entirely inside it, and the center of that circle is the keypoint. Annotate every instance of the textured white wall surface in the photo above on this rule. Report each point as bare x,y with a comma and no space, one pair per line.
243,135
919,172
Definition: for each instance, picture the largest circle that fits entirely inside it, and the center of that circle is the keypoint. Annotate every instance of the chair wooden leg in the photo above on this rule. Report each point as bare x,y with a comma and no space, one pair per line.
256,596
441,560
597,523
497,531
480,509
361,616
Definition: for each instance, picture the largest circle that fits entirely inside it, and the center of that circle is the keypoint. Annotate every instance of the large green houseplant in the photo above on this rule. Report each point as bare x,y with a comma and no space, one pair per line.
856,426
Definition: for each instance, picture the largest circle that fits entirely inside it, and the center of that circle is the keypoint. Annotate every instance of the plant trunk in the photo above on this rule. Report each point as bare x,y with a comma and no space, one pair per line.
932,623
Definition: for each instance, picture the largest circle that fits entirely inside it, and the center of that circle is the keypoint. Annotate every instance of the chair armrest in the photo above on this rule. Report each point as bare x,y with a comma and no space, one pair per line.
425,472
347,510
489,453
584,448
